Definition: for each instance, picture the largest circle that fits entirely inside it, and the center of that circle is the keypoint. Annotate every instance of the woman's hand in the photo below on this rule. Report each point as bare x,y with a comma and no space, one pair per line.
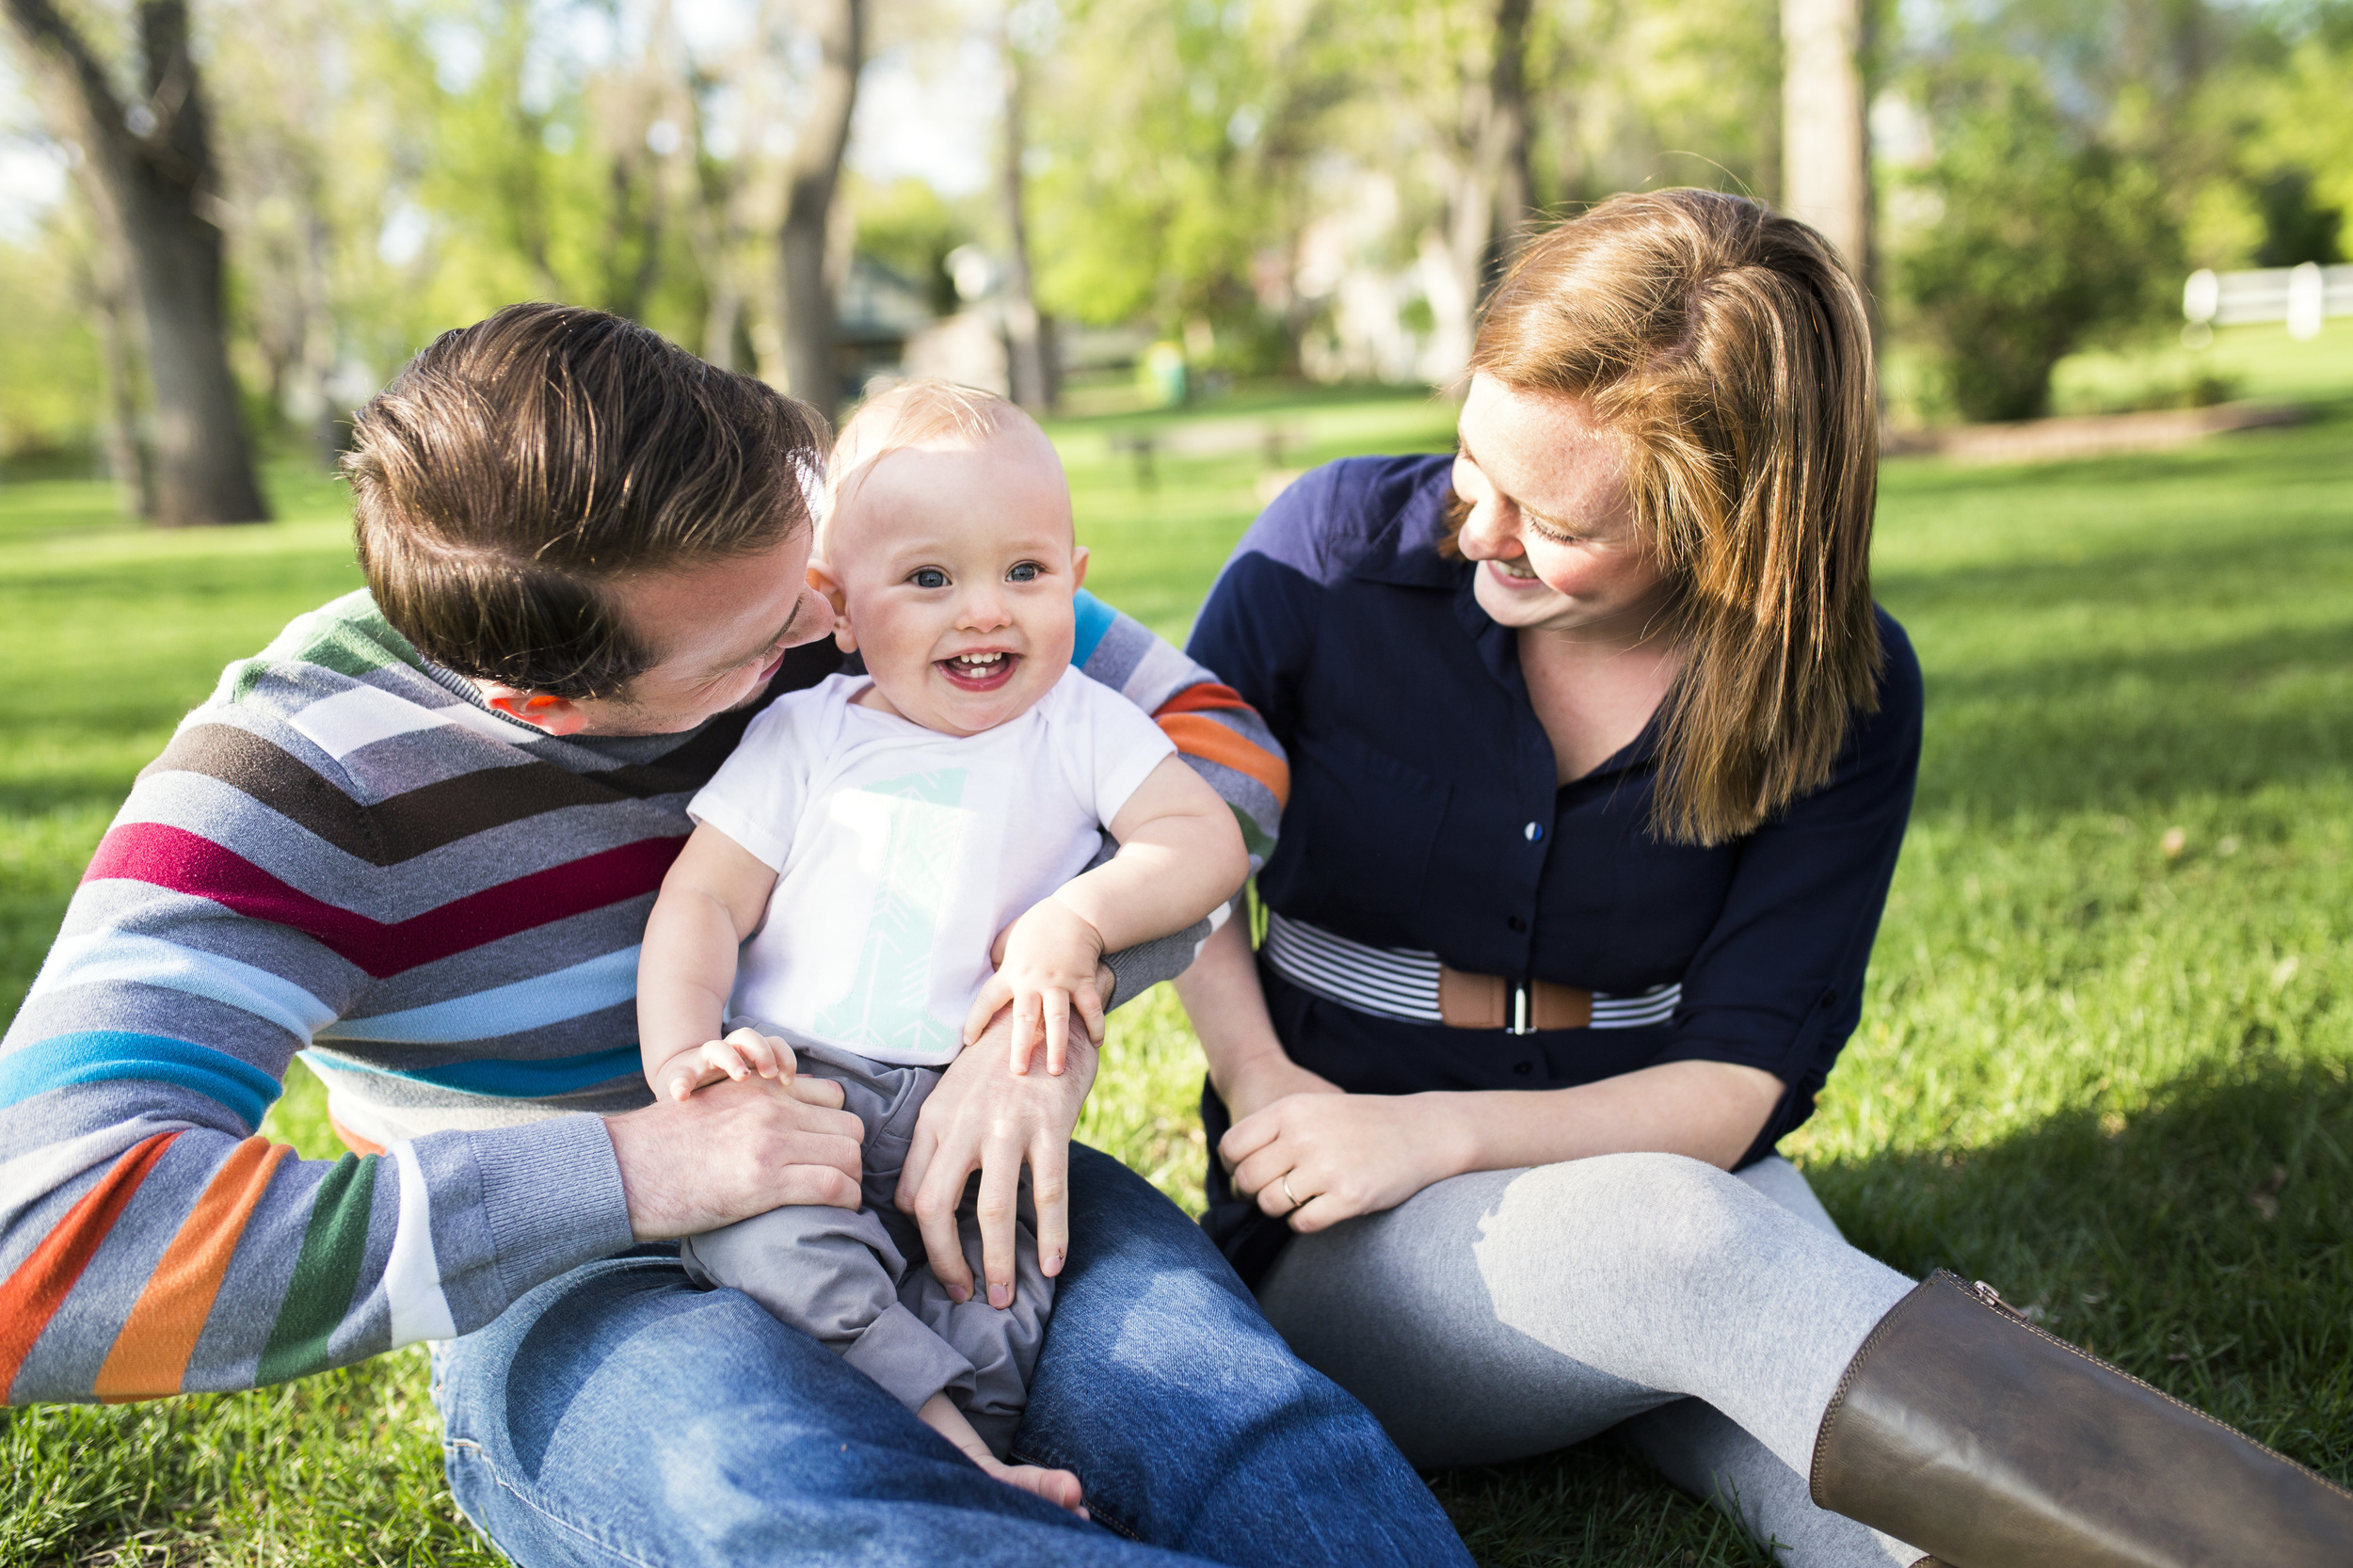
1315,1157
1249,1087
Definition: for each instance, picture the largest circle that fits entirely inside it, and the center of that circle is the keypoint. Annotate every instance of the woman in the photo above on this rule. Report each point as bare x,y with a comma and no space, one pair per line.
1602,759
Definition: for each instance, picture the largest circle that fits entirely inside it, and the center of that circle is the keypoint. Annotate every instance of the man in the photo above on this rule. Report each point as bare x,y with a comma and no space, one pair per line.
417,836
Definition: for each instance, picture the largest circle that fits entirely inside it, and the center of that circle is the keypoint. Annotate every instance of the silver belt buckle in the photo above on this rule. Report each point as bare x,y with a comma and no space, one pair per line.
1521,1023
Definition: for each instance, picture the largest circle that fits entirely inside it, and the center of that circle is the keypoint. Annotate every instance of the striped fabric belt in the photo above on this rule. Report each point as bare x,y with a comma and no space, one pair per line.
1404,983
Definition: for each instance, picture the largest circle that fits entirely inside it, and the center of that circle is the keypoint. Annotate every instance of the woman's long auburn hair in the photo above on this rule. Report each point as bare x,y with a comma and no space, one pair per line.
1729,350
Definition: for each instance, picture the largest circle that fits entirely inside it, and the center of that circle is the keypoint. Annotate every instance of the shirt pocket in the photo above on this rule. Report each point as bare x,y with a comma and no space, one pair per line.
1370,821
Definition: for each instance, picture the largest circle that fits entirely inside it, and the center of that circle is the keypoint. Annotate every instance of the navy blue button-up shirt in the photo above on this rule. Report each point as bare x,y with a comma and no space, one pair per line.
1425,814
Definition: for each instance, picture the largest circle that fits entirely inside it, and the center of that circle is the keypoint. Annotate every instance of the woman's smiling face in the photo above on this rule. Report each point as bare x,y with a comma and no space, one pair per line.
1551,522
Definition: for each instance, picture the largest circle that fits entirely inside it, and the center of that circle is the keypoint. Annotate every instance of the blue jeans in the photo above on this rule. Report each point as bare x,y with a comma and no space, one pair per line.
618,1414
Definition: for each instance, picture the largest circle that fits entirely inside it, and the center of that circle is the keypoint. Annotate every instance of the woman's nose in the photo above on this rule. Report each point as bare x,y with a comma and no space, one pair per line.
1484,537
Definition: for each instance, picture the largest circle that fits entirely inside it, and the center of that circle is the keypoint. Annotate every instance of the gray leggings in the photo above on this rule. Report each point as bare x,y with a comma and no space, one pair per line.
1509,1313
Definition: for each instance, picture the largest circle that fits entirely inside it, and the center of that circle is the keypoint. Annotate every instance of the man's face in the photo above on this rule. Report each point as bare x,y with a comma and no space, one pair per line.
718,631
954,569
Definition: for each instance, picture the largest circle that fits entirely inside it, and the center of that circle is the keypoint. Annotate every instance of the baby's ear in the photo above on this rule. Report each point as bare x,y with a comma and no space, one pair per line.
1078,566
821,578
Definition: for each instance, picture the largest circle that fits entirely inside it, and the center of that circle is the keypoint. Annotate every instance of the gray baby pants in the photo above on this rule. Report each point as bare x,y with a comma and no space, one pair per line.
1509,1313
856,1280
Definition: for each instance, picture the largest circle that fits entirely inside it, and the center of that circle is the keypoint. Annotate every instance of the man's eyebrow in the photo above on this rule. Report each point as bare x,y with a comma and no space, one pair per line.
774,637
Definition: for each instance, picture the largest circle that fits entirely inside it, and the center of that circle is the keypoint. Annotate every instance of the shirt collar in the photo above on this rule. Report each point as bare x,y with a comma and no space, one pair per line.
1408,557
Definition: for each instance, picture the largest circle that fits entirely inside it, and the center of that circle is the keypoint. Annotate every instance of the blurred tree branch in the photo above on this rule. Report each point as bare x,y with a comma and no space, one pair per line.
813,173
152,161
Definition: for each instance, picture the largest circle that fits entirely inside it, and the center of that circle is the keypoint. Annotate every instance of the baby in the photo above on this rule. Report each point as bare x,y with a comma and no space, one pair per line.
865,846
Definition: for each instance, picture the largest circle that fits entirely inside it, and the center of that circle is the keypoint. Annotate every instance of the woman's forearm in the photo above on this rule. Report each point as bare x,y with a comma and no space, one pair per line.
1711,1111
1248,1065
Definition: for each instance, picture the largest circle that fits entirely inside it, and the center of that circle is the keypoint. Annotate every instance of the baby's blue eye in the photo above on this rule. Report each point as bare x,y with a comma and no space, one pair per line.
1026,572
928,577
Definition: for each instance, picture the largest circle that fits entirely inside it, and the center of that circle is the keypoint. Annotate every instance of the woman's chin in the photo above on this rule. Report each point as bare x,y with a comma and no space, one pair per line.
1517,601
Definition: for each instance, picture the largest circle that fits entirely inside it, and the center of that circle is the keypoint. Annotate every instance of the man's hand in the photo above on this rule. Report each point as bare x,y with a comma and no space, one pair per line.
1047,964
734,1150
985,1117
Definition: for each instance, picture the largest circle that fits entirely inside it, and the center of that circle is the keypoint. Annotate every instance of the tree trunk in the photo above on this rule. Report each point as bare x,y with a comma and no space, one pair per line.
1826,169
119,434
1025,339
812,372
1507,130
155,161
1488,195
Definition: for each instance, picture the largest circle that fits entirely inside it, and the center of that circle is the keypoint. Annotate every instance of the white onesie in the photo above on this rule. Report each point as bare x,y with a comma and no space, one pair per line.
901,852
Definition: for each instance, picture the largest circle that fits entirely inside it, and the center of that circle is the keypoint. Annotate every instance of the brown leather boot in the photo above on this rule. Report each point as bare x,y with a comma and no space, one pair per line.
1964,1428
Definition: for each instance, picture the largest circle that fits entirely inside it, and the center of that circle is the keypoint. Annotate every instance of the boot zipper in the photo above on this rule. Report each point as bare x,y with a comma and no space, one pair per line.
1986,1296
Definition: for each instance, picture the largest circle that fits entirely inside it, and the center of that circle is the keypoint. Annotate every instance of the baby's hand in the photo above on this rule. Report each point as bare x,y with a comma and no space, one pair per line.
1048,967
739,1056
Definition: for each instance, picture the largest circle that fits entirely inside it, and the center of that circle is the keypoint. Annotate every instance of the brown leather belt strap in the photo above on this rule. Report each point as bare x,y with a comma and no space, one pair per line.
1490,1002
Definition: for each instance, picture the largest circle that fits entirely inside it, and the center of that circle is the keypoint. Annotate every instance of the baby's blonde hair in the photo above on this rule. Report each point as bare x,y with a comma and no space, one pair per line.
911,414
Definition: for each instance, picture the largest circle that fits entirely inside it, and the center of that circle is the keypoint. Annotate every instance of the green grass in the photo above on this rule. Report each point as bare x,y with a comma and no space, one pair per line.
2107,1059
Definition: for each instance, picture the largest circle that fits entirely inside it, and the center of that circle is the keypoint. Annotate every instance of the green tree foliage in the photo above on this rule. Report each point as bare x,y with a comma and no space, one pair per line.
49,395
1167,142
2046,233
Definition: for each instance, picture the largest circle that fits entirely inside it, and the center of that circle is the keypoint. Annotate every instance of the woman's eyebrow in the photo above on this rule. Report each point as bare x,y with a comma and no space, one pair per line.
1558,525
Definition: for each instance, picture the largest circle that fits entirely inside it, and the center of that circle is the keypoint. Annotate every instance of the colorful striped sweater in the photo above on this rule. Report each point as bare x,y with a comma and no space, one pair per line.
344,853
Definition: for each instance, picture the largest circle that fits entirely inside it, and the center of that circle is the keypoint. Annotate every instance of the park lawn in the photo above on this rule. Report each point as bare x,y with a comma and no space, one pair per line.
2105,1061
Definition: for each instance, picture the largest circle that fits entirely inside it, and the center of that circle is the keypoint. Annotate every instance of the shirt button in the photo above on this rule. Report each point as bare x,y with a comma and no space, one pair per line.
1533,831
1516,923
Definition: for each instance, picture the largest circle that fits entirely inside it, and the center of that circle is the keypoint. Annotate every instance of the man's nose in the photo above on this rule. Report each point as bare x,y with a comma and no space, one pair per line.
813,619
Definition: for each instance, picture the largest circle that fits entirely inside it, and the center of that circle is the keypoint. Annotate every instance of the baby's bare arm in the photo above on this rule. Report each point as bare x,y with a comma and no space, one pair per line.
711,899
1180,857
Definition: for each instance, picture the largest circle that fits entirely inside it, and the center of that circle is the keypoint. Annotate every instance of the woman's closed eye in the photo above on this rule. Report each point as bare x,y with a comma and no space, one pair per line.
1546,531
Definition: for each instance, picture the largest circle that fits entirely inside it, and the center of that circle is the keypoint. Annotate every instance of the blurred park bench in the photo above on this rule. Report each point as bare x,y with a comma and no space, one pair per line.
1206,437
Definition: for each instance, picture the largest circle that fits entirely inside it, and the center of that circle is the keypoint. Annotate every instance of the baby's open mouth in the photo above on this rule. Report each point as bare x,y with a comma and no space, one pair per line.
979,672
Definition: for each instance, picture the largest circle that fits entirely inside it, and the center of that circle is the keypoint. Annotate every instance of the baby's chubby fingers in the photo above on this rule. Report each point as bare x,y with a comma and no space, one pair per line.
764,1054
995,992
1057,1004
1022,1043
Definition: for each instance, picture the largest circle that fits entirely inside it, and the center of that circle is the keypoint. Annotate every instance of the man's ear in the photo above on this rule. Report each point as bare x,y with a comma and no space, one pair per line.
821,578
1078,566
557,715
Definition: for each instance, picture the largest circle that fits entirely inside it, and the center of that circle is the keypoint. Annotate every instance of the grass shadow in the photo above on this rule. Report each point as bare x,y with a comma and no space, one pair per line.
2204,1244
2108,730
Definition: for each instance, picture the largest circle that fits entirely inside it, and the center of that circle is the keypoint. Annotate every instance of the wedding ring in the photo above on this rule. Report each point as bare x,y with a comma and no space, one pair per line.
1285,1183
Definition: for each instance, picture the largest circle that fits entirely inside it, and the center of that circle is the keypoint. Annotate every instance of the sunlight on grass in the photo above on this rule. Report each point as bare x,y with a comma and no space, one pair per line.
2106,1059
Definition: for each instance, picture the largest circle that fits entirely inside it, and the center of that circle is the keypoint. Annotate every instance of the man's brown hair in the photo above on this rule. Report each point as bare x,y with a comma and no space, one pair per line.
1728,350
520,466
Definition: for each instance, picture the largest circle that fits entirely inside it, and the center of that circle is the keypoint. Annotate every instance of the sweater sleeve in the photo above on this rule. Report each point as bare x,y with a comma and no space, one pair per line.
1218,734
150,1241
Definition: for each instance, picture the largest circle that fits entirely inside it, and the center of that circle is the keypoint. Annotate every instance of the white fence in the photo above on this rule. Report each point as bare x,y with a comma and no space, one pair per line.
2299,295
